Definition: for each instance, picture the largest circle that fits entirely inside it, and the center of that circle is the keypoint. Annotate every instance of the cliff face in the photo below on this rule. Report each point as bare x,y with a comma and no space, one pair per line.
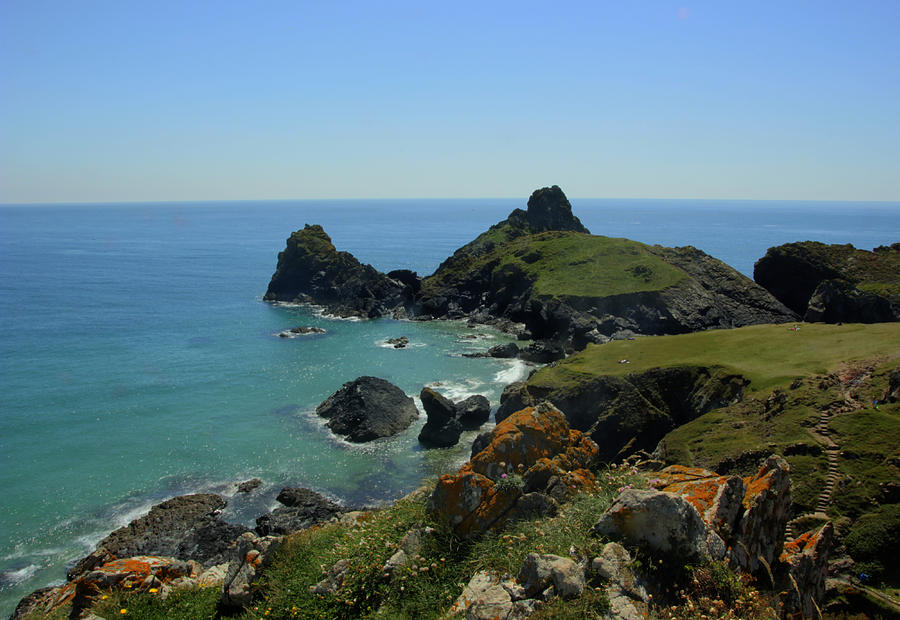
542,268
311,270
833,283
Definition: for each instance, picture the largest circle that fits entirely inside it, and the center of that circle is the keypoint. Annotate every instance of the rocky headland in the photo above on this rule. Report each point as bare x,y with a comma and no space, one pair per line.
540,268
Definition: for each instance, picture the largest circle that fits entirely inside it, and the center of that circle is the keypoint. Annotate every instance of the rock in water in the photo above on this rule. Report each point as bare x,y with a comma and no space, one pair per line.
447,420
311,270
302,509
368,408
185,527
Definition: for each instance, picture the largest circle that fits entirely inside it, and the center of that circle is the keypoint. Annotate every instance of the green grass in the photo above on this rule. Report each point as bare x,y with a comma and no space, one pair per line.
197,604
767,355
562,264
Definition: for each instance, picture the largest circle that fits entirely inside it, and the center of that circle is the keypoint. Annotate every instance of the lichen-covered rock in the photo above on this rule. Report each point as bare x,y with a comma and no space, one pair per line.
472,501
250,555
368,408
487,597
806,560
664,522
135,573
759,534
717,498
541,571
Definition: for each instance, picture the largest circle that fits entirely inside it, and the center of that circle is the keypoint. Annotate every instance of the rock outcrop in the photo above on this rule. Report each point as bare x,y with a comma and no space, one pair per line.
625,414
368,408
185,527
531,452
833,283
250,555
311,270
301,509
447,420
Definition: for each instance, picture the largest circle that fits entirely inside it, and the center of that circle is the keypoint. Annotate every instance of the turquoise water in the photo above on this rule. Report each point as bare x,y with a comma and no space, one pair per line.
138,362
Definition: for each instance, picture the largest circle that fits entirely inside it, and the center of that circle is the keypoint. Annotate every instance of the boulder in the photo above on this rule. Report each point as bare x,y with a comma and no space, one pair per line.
487,597
504,351
515,397
294,332
398,343
663,522
249,557
249,485
186,527
627,595
532,440
447,420
368,408
539,572
302,509
473,411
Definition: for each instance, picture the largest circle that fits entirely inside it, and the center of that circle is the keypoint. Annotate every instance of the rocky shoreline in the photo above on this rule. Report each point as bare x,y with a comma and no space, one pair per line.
550,439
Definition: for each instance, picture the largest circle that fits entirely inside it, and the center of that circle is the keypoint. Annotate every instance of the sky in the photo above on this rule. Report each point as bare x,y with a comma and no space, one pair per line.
108,101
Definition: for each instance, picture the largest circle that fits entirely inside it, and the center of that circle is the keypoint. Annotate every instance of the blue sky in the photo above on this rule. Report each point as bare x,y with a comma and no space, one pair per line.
122,101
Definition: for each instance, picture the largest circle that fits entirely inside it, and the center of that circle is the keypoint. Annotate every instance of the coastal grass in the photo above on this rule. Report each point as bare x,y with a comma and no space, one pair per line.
561,264
197,604
767,355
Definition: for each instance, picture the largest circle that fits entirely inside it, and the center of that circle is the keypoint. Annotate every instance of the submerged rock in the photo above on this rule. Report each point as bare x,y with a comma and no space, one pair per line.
368,408
295,332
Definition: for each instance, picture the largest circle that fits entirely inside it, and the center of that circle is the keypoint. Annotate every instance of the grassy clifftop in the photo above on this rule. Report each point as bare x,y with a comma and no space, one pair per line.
563,264
767,355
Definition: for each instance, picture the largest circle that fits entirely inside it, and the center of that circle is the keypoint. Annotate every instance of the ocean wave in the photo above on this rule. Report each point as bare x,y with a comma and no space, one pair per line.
515,370
11,578
458,390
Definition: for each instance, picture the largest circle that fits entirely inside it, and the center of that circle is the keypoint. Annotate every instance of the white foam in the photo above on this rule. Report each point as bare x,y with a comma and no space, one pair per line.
515,370
457,390
15,577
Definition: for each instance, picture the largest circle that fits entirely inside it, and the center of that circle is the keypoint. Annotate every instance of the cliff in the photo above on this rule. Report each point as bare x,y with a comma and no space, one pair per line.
833,283
542,268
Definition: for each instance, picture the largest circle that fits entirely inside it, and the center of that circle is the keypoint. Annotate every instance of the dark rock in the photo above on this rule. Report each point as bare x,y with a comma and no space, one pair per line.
398,343
549,209
368,408
537,505
473,411
482,440
311,270
515,397
625,414
185,527
249,485
836,301
302,509
543,352
301,331
447,420
504,351
409,279
250,556
442,428
794,273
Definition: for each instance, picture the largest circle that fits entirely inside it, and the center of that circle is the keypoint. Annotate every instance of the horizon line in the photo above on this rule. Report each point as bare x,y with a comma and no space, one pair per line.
336,199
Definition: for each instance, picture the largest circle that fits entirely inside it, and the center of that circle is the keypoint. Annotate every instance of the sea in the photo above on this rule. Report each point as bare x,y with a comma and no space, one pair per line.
138,361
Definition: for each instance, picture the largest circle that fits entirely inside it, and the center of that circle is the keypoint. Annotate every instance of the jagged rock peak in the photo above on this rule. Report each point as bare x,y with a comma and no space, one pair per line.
549,209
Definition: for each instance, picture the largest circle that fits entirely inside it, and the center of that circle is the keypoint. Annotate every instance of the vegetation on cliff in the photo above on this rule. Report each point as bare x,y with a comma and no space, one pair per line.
833,283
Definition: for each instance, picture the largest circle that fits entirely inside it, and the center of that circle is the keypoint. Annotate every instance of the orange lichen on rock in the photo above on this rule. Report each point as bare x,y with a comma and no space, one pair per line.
535,443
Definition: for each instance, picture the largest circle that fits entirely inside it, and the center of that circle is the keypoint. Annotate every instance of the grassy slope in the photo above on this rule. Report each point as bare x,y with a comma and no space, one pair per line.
767,355
875,272
565,264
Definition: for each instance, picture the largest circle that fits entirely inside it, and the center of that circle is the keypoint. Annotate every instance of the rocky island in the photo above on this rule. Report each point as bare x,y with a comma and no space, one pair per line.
748,472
